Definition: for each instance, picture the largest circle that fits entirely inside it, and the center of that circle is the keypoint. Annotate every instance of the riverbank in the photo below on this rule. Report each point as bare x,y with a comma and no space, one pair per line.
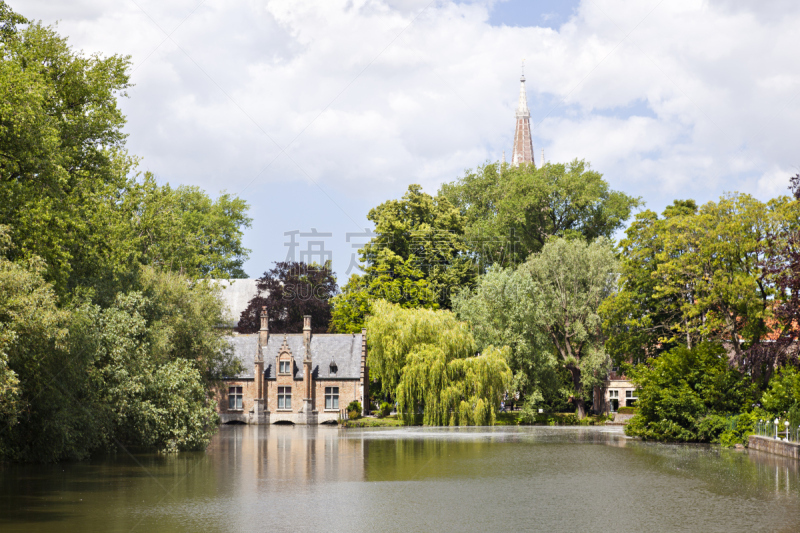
503,419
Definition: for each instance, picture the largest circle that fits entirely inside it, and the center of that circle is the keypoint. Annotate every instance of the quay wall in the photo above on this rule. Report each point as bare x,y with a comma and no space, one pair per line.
771,445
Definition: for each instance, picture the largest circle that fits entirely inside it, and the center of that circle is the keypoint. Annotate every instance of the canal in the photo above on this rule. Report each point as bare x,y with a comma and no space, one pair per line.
285,478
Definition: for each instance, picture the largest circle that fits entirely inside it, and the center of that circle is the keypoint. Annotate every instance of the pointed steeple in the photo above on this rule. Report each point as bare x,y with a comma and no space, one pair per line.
523,143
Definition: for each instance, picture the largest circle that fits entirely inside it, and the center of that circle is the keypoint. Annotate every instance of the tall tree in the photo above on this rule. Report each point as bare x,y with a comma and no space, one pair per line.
502,311
512,211
570,281
696,275
780,268
184,230
289,291
417,259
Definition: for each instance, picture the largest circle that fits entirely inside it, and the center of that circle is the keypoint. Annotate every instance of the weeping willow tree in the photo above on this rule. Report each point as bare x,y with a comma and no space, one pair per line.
427,360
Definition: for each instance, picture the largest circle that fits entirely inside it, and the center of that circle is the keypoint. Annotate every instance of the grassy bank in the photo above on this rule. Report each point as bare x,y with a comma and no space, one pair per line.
503,419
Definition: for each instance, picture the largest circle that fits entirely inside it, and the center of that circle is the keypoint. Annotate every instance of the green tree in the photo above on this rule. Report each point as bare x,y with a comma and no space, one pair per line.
695,275
783,391
420,238
512,211
427,360
684,394
63,162
502,311
66,185
184,230
570,281
417,259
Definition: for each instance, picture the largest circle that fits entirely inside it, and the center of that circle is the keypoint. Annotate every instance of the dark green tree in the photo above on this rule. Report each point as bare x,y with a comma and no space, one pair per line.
512,211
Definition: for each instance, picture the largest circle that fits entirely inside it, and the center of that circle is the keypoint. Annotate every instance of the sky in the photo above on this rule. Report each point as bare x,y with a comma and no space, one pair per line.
315,112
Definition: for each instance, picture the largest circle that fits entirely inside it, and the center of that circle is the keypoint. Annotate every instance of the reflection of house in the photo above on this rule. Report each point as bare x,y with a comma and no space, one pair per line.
617,391
297,378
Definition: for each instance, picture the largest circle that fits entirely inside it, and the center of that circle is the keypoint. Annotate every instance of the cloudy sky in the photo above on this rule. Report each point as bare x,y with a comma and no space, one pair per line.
314,111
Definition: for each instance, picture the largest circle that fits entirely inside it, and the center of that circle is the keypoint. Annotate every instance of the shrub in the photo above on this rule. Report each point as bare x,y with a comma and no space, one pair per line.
354,409
685,395
385,410
627,410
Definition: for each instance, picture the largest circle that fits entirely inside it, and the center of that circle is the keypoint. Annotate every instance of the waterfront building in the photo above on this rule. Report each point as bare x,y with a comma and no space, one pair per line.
298,378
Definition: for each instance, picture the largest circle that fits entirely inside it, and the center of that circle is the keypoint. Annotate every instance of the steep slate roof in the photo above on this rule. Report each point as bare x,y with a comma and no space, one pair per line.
343,349
244,349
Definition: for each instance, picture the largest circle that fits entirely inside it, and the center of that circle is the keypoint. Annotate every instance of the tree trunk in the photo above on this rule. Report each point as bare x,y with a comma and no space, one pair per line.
578,398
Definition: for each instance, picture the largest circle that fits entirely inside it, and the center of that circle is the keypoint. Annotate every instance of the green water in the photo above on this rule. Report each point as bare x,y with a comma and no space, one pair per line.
284,478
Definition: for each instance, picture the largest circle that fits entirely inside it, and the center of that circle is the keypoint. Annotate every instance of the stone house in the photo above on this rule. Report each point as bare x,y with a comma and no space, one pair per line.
298,378
617,391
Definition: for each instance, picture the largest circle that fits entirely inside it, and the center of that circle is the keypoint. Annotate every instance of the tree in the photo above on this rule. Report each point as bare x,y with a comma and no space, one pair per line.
417,259
67,189
502,312
695,275
570,281
512,211
684,394
427,360
184,230
780,269
62,158
289,291
419,237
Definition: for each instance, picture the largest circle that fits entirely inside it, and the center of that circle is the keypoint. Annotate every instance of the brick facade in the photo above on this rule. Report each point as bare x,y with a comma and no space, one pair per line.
290,375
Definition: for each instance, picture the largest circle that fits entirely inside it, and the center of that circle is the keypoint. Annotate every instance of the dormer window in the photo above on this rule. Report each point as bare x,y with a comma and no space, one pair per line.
285,367
334,369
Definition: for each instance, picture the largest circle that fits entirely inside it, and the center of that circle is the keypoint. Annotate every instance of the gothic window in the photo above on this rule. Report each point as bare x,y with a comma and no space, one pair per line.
331,397
334,369
286,367
234,398
284,397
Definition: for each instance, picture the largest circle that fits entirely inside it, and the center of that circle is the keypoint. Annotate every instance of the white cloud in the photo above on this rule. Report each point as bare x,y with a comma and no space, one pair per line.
684,98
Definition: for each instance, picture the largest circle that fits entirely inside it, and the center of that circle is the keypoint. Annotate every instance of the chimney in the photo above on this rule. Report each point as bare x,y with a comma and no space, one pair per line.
263,334
307,334
264,319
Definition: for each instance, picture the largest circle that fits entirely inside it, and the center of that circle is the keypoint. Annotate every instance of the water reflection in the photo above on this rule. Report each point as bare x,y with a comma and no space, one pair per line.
417,479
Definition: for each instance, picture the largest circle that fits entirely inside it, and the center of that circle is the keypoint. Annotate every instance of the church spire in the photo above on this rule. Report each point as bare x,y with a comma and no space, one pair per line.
523,143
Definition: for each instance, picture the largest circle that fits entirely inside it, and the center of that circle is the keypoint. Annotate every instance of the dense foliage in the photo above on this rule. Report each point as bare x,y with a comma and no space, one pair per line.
512,211
289,291
427,360
417,259
696,274
107,334
686,394
546,310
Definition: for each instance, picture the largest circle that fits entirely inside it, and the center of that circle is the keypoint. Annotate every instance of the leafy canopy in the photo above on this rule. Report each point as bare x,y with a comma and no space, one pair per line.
289,291
512,211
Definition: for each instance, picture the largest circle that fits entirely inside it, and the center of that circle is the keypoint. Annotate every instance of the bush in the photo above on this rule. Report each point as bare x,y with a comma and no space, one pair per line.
354,409
627,410
385,410
686,395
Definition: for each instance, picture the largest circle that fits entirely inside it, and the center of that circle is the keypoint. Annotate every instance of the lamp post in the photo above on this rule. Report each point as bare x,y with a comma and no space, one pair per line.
776,428
787,430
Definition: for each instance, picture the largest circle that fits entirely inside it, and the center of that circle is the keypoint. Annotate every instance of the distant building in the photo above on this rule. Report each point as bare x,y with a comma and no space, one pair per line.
290,377
236,294
617,391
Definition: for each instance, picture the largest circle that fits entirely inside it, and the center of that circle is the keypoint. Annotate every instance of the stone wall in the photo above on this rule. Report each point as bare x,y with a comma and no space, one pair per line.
771,445
349,390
